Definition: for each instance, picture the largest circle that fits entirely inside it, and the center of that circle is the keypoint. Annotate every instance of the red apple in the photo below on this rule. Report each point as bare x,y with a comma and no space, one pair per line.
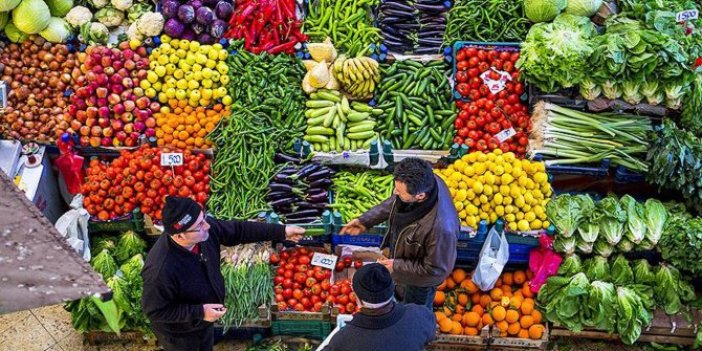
143,102
95,131
104,122
121,136
95,141
102,92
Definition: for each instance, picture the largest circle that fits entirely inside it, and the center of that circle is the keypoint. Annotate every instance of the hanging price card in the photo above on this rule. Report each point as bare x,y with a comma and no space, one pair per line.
171,159
324,260
506,134
687,15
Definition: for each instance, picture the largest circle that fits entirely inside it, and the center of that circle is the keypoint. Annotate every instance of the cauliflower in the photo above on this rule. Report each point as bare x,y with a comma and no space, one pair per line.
150,23
110,17
133,33
137,10
122,5
94,33
79,16
98,4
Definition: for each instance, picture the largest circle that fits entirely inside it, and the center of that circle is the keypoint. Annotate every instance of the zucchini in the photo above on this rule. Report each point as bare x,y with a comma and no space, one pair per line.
357,116
319,103
365,127
360,135
316,139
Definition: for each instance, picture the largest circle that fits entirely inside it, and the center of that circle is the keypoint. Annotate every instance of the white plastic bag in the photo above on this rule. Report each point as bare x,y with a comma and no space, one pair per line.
493,258
74,226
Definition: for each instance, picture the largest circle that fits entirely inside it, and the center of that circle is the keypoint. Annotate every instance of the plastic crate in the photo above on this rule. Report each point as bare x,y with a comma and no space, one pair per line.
624,176
309,329
600,170
133,221
499,46
310,240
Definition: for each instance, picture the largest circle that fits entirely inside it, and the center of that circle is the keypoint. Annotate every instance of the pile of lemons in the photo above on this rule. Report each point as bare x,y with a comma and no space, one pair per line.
498,185
187,70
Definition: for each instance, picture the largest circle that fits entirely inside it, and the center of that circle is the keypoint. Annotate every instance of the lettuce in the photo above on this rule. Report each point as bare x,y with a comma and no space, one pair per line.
602,306
635,224
129,244
621,271
565,245
570,266
655,215
584,247
565,213
543,10
589,228
666,288
643,272
625,245
104,264
585,8
566,306
632,316
612,220
603,248
597,268
589,90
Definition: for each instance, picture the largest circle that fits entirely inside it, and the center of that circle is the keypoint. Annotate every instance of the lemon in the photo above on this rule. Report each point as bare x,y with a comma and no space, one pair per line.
529,198
162,98
508,168
455,177
200,58
497,199
134,44
459,205
222,54
462,185
204,49
462,214
546,224
512,226
151,76
207,83
460,195
473,157
490,178
476,201
510,217
197,75
213,54
499,170
480,168
487,191
459,164
530,184
165,48
500,210
506,178
469,171
452,191
478,187
535,224
493,217
144,84
523,225
484,199
538,211
189,59
519,215
540,177
470,194
211,64
471,222
530,216
481,157
194,45
206,94
484,216
519,201
507,200
472,210
526,208
221,92
165,39
504,190
514,191
485,208
509,209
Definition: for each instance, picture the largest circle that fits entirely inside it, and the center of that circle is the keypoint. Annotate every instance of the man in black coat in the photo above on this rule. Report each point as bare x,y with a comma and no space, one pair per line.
183,285
383,324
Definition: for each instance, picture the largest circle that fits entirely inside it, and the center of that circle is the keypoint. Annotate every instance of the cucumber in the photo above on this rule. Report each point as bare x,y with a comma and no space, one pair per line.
316,112
357,116
377,112
317,121
319,131
360,135
361,107
326,95
345,105
319,103
329,117
316,139
362,128
340,111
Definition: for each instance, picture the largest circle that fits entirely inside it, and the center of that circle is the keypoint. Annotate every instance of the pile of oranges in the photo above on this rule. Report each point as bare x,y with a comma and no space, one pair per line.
185,127
462,309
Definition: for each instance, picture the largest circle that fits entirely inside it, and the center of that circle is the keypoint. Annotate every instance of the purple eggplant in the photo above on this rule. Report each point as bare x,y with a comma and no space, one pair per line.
307,205
283,158
284,201
224,10
204,15
312,212
324,172
319,197
217,28
173,28
169,8
320,183
209,3
272,196
186,14
306,170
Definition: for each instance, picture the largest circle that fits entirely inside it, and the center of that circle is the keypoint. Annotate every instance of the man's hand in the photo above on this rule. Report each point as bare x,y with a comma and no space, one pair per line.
294,233
213,311
387,263
355,227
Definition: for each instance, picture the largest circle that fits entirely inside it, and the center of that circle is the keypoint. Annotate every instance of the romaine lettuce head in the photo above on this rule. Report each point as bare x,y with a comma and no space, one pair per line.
104,264
612,220
635,224
129,244
597,268
602,305
643,272
565,245
603,248
655,216
621,271
571,266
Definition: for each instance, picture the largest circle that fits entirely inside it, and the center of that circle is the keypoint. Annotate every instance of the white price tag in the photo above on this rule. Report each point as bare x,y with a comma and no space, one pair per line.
496,85
345,155
324,260
171,159
684,16
505,135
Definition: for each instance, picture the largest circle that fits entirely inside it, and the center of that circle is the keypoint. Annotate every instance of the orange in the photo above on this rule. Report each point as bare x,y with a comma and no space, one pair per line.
513,329
506,289
447,311
507,278
487,319
478,309
485,300
536,314
523,334
498,284
469,286
496,294
456,328
502,326
516,301
471,331
440,316
445,325
536,331
459,309
458,275
457,317
499,313
450,283
439,298
518,293
442,286
512,316
471,319
463,299
519,277
526,321
475,298
526,291
527,306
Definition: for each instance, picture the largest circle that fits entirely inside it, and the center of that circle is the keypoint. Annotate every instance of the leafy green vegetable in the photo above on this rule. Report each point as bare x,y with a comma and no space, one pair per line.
14,34
612,220
103,243
7,5
571,266
643,272
104,264
603,248
691,116
588,228
565,245
621,271
543,10
584,247
655,216
585,8
625,245
681,244
565,213
667,297
635,224
31,16
566,307
59,8
602,306
129,244
632,316
597,268
57,31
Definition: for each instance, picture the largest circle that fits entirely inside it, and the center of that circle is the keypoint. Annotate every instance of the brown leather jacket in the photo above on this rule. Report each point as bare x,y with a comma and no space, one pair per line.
425,251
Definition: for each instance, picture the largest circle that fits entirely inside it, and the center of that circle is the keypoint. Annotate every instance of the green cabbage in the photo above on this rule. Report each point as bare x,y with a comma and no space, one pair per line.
31,16
602,306
543,10
104,264
655,216
643,272
7,5
129,244
57,31
136,10
570,266
585,8
597,268
14,34
621,271
59,8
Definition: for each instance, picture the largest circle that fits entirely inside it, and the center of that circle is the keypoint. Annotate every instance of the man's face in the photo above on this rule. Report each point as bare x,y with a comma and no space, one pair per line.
405,196
197,233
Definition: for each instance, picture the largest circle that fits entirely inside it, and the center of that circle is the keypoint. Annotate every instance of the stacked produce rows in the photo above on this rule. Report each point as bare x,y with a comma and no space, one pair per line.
248,81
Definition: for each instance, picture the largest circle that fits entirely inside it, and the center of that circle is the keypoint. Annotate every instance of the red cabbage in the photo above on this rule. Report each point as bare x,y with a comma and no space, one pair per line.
224,10
204,15
217,28
205,38
196,4
169,8
198,28
186,13
188,34
173,28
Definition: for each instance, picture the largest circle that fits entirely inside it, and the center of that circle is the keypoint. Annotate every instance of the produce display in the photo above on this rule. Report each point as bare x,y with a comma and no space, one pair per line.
608,226
137,179
578,137
498,185
358,76
271,26
682,231
412,26
334,124
486,21
356,193
126,254
462,309
108,107
187,127
347,22
298,285
247,280
36,73
187,70
300,193
204,21
494,115
410,119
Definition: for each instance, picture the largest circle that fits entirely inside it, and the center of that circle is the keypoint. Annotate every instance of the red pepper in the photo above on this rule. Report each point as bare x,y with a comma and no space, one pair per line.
248,10
283,47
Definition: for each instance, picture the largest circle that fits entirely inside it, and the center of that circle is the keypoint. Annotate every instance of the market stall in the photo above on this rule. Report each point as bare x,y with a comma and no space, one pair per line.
567,131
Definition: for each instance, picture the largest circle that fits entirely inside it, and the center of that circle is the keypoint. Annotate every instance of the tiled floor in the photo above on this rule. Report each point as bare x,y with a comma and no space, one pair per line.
49,329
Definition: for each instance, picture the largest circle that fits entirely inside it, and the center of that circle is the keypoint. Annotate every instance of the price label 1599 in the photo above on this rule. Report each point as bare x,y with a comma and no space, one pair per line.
171,159
684,16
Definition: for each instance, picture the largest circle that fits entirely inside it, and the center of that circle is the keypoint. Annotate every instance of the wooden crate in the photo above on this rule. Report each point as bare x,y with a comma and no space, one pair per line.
506,343
97,338
664,329
460,342
272,313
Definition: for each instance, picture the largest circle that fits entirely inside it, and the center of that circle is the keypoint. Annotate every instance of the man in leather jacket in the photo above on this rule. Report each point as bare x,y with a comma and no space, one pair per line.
422,232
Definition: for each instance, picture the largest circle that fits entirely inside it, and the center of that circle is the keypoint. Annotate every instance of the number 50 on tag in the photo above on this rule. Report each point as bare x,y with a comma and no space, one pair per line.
171,159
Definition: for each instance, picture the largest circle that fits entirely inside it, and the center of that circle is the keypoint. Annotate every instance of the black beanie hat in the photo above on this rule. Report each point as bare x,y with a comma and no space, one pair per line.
179,214
372,283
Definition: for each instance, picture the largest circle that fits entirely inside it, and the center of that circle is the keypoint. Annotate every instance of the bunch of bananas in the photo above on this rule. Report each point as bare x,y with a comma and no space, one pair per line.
358,76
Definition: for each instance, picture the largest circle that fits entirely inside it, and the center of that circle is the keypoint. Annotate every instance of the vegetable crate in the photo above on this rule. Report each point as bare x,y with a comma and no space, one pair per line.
308,329
133,221
97,338
664,329
320,233
506,343
450,342
510,47
373,238
273,314
600,170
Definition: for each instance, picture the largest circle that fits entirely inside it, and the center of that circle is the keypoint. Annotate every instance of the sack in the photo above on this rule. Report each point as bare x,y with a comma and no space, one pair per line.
493,258
73,225
543,262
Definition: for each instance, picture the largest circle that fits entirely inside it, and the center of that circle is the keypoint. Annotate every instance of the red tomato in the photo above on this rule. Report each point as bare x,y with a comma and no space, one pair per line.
473,72
278,280
279,298
461,55
482,55
462,76
304,260
299,307
342,299
463,89
340,266
317,307
475,83
282,306
462,65
350,306
458,123
325,285
288,283
470,142
302,268
463,132
345,289
483,66
310,282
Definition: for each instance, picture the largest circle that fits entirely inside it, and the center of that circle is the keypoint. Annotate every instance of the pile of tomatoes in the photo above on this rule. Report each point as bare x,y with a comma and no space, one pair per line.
484,114
299,286
137,179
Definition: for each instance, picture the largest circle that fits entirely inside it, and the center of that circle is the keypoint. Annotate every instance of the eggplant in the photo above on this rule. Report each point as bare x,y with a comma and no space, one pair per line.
429,42
280,187
397,13
306,170
307,205
313,212
284,201
396,6
393,37
430,8
317,198
325,172
321,183
412,26
427,50
278,195
433,34
283,158
429,2
301,220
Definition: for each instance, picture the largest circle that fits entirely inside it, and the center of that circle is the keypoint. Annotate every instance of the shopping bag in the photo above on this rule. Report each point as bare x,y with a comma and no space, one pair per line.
73,225
544,262
493,258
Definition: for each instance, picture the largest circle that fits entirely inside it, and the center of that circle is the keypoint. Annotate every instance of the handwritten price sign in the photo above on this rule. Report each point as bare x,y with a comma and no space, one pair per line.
171,159
687,15
324,260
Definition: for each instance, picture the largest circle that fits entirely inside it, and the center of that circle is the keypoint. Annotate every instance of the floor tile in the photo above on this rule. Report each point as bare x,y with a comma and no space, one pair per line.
27,335
72,342
57,347
10,319
55,320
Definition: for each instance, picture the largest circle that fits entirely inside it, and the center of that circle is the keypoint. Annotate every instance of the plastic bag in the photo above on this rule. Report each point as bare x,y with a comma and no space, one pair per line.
70,165
74,226
543,262
493,258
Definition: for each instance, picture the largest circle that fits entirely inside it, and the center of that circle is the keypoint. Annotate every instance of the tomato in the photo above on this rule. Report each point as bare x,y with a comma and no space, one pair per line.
184,192
274,258
463,132
310,282
317,307
463,115
473,62
297,294
515,76
282,306
325,285
470,52
462,65
334,290
482,55
193,165
340,266
292,302
139,187
514,57
481,145
461,55
347,261
189,181
306,302
474,94
523,141
462,76
350,306
299,307
473,72
278,280
513,99
469,142
345,289
508,66
485,91
519,88
319,275
304,260
493,55
310,274
342,299
300,278
483,66
302,268
463,89
458,123
290,266
494,75
145,164
480,120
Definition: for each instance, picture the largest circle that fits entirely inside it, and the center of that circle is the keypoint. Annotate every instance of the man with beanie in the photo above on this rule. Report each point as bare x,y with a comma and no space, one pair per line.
382,324
183,285
422,232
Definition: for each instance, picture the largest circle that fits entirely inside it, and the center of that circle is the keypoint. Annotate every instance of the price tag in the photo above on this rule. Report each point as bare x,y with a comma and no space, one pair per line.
684,16
171,159
505,135
324,260
496,85
345,155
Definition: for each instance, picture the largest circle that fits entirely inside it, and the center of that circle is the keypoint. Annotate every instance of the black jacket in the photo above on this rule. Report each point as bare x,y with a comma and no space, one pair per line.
405,328
178,282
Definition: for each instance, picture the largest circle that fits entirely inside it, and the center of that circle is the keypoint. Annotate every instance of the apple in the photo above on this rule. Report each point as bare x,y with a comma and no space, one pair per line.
116,124
103,122
95,141
84,131
128,128
143,102
95,131
102,92
107,132
121,136
106,141
104,111
129,105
